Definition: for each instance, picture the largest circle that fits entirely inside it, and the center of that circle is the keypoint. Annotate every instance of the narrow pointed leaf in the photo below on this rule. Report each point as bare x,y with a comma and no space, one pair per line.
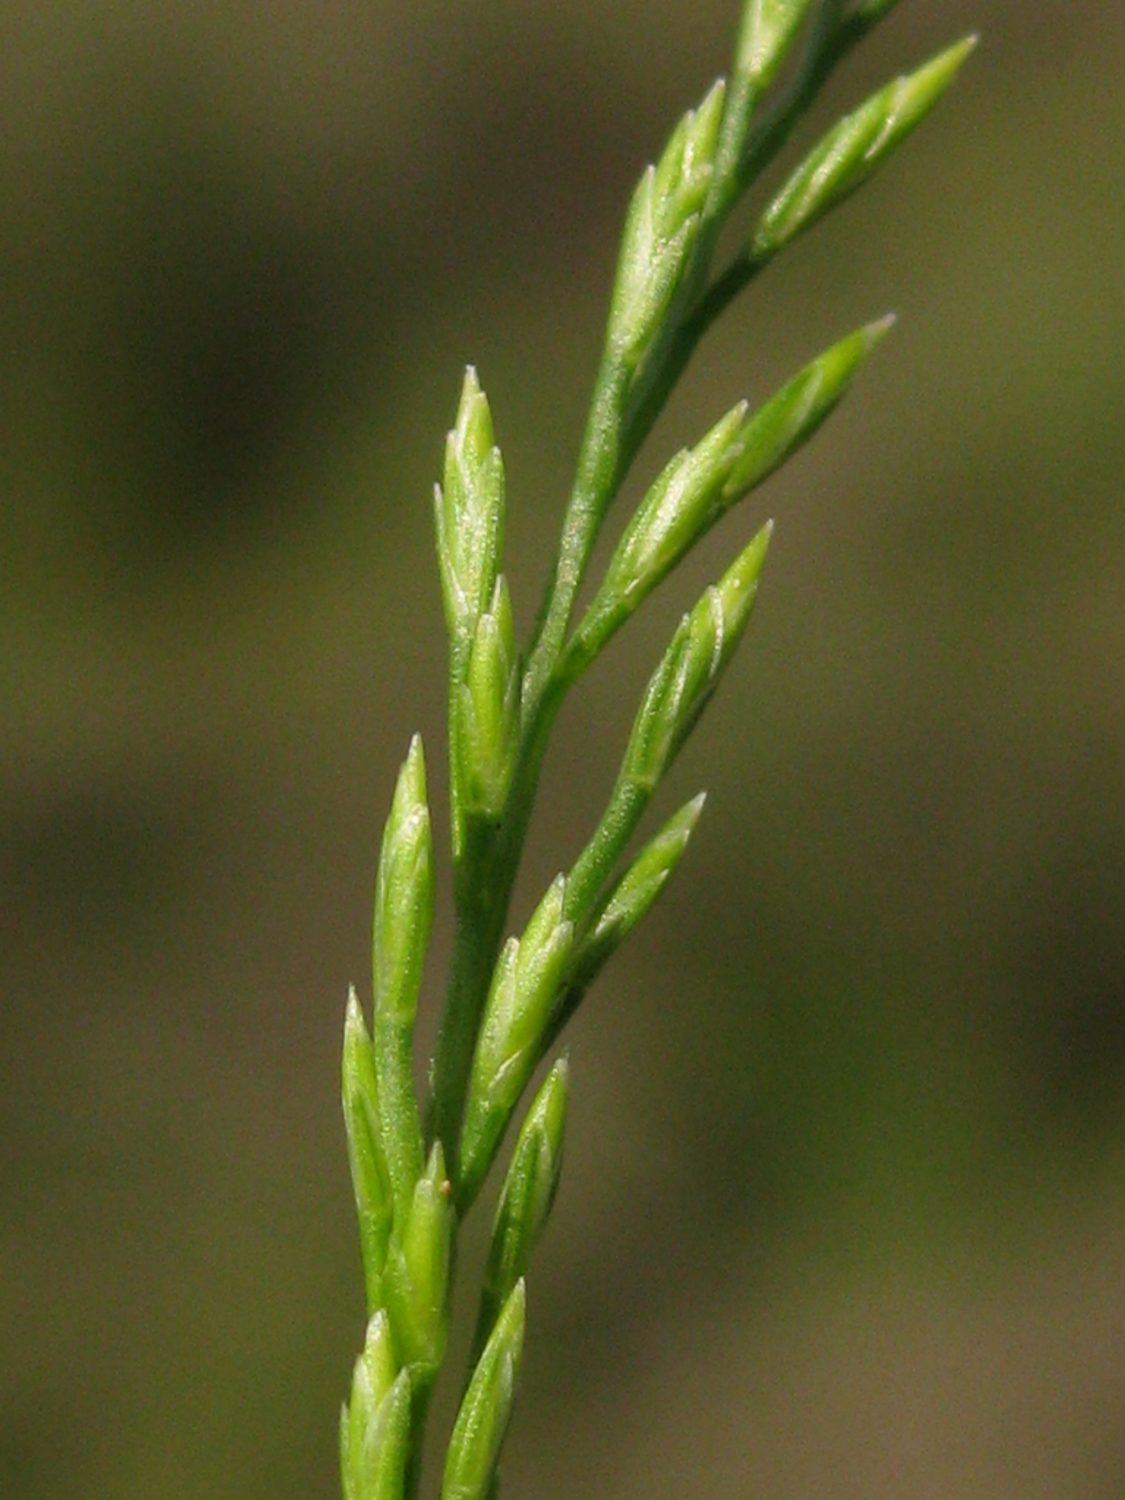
701,484
529,1191
661,229
852,150
526,983
618,912
374,1375
685,500
689,673
370,1183
375,1425
488,742
788,419
417,1274
649,278
379,1468
677,694
478,1433
404,900
634,894
686,167
404,894
469,513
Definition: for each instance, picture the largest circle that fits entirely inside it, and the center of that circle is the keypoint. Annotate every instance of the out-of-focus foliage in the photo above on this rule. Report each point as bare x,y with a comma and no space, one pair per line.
872,1052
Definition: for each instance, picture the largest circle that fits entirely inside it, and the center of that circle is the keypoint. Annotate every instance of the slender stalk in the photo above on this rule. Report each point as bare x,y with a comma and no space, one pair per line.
596,481
482,903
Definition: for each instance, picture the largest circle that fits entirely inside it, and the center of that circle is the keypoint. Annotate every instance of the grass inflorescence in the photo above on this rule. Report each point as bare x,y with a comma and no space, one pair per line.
418,1165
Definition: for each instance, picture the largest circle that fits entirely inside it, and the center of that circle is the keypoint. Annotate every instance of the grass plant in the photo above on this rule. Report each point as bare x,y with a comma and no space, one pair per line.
418,1166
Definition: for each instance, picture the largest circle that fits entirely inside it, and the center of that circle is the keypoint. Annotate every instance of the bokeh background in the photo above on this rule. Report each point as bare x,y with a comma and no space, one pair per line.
844,1208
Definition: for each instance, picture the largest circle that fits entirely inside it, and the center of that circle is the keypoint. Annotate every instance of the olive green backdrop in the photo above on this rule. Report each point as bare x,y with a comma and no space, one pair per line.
844,1207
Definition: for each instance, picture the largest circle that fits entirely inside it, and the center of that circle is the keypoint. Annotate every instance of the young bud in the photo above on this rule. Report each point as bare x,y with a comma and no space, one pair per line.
404,899
375,1373
527,981
416,1279
684,171
404,893
702,483
489,699
789,418
365,1153
648,273
633,895
661,228
375,1439
685,501
478,1433
469,513
769,28
683,683
851,151
527,1196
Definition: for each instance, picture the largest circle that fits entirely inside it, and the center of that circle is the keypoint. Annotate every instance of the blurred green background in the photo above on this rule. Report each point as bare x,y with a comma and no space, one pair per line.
844,1208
